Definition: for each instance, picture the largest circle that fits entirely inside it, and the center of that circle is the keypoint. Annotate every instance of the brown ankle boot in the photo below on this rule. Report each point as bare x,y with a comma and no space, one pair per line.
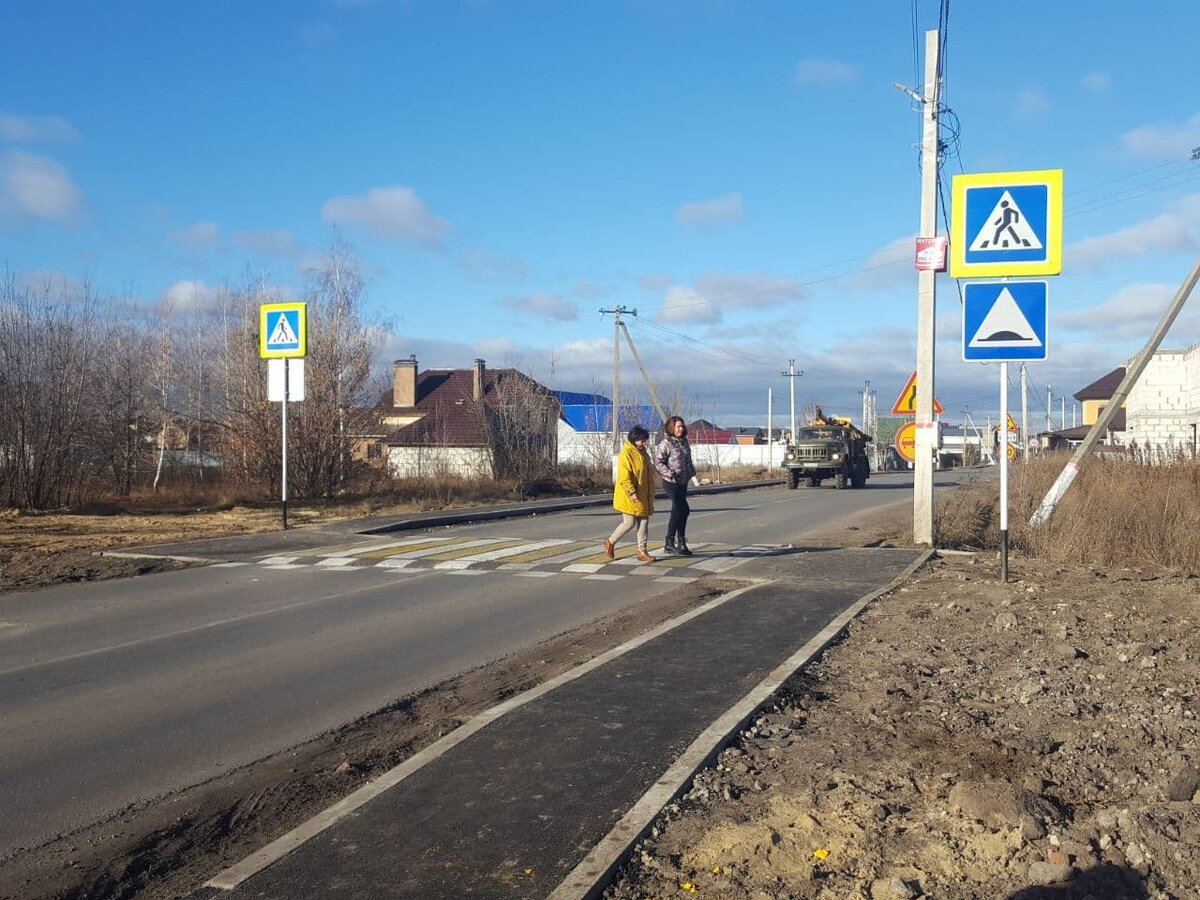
645,557
609,550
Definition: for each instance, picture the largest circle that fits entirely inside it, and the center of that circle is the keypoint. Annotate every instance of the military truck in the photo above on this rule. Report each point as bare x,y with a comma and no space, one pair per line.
828,447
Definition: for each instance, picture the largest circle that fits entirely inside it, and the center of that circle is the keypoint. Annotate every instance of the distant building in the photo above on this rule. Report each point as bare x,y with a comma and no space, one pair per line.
473,423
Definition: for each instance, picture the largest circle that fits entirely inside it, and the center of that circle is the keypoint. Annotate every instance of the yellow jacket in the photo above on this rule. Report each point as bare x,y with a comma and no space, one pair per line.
634,476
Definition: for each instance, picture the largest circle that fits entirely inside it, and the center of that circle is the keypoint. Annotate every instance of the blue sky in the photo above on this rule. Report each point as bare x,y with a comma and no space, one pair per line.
744,174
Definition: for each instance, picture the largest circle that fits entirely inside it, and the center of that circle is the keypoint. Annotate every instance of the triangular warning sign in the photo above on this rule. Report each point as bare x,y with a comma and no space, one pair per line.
906,403
1006,229
1005,326
1012,425
282,333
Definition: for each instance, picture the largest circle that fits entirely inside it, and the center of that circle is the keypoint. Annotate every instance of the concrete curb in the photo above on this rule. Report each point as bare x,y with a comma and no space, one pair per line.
595,873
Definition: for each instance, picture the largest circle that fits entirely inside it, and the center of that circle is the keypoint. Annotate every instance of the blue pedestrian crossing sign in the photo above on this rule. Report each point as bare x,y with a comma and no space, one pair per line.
1006,223
282,330
1004,321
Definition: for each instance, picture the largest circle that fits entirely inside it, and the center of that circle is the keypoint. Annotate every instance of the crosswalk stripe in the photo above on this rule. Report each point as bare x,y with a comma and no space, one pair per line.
563,546
474,553
393,549
435,551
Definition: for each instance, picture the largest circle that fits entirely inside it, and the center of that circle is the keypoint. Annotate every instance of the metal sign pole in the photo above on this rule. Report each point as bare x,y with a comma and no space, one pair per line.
1003,451
283,416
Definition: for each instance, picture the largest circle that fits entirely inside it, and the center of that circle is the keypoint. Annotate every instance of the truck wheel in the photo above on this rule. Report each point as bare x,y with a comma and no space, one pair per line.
839,480
793,479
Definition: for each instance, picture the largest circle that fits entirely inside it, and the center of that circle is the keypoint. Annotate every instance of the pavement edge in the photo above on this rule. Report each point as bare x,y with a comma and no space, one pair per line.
596,871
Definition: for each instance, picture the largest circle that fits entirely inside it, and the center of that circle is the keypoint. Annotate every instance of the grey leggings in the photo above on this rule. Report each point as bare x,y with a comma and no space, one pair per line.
627,523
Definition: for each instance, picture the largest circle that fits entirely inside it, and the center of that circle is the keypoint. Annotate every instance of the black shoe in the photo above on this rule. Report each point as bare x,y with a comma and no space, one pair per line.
681,548
669,547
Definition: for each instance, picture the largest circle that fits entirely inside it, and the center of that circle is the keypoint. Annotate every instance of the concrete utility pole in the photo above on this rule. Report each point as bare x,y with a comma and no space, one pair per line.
1024,415
926,301
1049,407
791,374
1062,413
1132,374
770,431
616,313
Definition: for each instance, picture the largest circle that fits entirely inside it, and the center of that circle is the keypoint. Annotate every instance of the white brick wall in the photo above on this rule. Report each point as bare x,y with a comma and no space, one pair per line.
1164,405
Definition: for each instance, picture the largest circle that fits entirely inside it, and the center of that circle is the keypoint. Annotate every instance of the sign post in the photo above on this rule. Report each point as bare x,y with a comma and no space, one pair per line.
283,334
1005,224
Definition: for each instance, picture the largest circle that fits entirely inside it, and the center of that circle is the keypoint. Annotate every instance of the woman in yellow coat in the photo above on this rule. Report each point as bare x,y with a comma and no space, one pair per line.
633,494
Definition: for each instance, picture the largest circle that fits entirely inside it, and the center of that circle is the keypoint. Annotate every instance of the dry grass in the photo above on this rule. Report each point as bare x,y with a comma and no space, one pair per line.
1119,512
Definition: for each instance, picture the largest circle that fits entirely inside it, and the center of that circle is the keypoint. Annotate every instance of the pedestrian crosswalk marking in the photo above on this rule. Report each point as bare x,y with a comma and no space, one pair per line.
524,557
546,552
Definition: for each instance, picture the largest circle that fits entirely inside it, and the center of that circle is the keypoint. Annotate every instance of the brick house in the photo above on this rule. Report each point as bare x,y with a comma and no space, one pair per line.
472,423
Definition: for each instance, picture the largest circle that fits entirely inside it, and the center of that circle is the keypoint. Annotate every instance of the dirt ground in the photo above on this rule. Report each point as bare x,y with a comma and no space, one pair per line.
967,739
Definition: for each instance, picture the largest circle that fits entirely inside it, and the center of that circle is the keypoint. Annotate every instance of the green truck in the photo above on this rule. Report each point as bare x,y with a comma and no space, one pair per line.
828,447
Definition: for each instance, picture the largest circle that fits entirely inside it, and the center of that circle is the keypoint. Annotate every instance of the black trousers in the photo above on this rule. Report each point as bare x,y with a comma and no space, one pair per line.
677,525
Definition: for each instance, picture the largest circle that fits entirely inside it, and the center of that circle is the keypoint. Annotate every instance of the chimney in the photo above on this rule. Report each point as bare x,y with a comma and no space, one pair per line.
404,382
478,393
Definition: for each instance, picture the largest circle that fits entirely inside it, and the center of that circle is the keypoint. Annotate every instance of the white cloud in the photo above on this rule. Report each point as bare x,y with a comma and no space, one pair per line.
197,236
483,265
1165,140
267,241
891,266
685,305
545,306
748,291
28,129
589,290
1130,313
708,213
1096,81
190,296
35,187
390,212
824,71
1032,102
1176,231
51,283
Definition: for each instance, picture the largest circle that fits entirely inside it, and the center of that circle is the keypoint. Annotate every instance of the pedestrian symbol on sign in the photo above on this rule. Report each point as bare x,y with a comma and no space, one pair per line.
1006,227
283,335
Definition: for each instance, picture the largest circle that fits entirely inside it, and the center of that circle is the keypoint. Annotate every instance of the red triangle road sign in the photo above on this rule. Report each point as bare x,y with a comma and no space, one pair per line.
906,403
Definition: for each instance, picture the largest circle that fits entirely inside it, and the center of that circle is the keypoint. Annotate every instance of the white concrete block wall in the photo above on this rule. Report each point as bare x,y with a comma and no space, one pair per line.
1165,403
431,462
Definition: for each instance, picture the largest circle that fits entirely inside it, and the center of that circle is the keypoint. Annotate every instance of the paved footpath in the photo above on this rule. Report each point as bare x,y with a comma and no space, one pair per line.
541,796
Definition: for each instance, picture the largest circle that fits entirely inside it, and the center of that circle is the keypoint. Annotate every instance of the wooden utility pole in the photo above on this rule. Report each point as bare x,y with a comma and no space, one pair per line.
926,302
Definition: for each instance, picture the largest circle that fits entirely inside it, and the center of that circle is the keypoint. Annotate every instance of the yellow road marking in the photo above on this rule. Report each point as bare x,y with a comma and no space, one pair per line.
547,552
409,548
479,548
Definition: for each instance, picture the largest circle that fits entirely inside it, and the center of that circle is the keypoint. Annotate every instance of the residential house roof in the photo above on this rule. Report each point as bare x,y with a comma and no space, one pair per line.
450,416
1103,388
593,413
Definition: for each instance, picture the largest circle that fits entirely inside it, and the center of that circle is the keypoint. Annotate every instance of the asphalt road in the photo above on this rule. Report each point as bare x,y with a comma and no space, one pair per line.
118,691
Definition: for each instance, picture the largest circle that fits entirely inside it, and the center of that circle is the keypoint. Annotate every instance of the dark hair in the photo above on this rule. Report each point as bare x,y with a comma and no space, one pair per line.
638,433
669,428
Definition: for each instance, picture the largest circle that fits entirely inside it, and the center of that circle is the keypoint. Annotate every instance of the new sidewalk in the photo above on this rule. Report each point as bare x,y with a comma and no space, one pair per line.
542,795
